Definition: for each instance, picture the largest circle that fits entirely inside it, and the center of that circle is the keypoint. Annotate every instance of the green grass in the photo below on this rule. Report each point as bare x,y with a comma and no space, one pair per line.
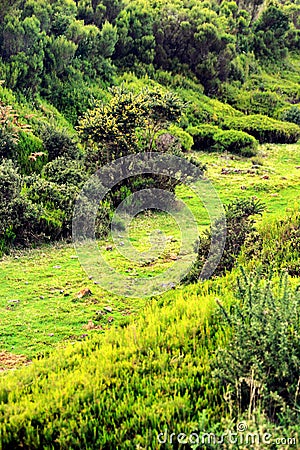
130,382
39,304
38,297
275,179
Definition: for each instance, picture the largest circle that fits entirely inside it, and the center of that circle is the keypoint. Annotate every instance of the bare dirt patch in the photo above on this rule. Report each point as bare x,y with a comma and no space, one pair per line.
9,361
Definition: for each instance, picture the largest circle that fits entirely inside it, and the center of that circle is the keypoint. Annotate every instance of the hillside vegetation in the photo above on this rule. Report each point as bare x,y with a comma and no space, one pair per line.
217,84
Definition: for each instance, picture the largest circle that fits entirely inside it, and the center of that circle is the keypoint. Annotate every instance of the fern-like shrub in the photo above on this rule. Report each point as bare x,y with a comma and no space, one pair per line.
240,224
260,365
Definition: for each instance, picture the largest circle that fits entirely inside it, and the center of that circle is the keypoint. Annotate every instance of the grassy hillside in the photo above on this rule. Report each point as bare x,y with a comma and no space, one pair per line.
41,306
216,86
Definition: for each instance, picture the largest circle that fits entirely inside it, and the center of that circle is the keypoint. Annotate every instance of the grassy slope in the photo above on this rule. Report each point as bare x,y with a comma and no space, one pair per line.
166,354
48,310
135,379
280,163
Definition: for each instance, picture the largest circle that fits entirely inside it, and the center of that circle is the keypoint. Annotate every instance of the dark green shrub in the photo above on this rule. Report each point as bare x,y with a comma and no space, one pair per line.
239,225
18,216
210,137
10,183
203,136
65,171
85,206
10,188
270,32
57,202
8,143
292,114
59,143
236,142
30,154
253,101
261,362
26,219
265,129
185,139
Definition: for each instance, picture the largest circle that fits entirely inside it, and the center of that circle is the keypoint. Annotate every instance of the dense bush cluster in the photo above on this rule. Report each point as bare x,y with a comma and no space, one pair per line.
19,217
276,245
211,138
265,129
54,47
56,165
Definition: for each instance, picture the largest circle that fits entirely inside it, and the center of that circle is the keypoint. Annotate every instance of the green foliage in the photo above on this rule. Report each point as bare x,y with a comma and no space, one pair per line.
276,245
292,114
195,39
70,96
203,136
239,225
65,171
18,216
236,142
113,126
269,33
136,42
265,129
56,203
59,143
254,101
209,137
30,155
9,131
185,139
260,365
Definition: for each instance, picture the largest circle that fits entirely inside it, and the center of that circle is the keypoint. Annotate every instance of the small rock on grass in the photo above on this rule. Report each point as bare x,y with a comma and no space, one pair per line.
91,326
84,293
